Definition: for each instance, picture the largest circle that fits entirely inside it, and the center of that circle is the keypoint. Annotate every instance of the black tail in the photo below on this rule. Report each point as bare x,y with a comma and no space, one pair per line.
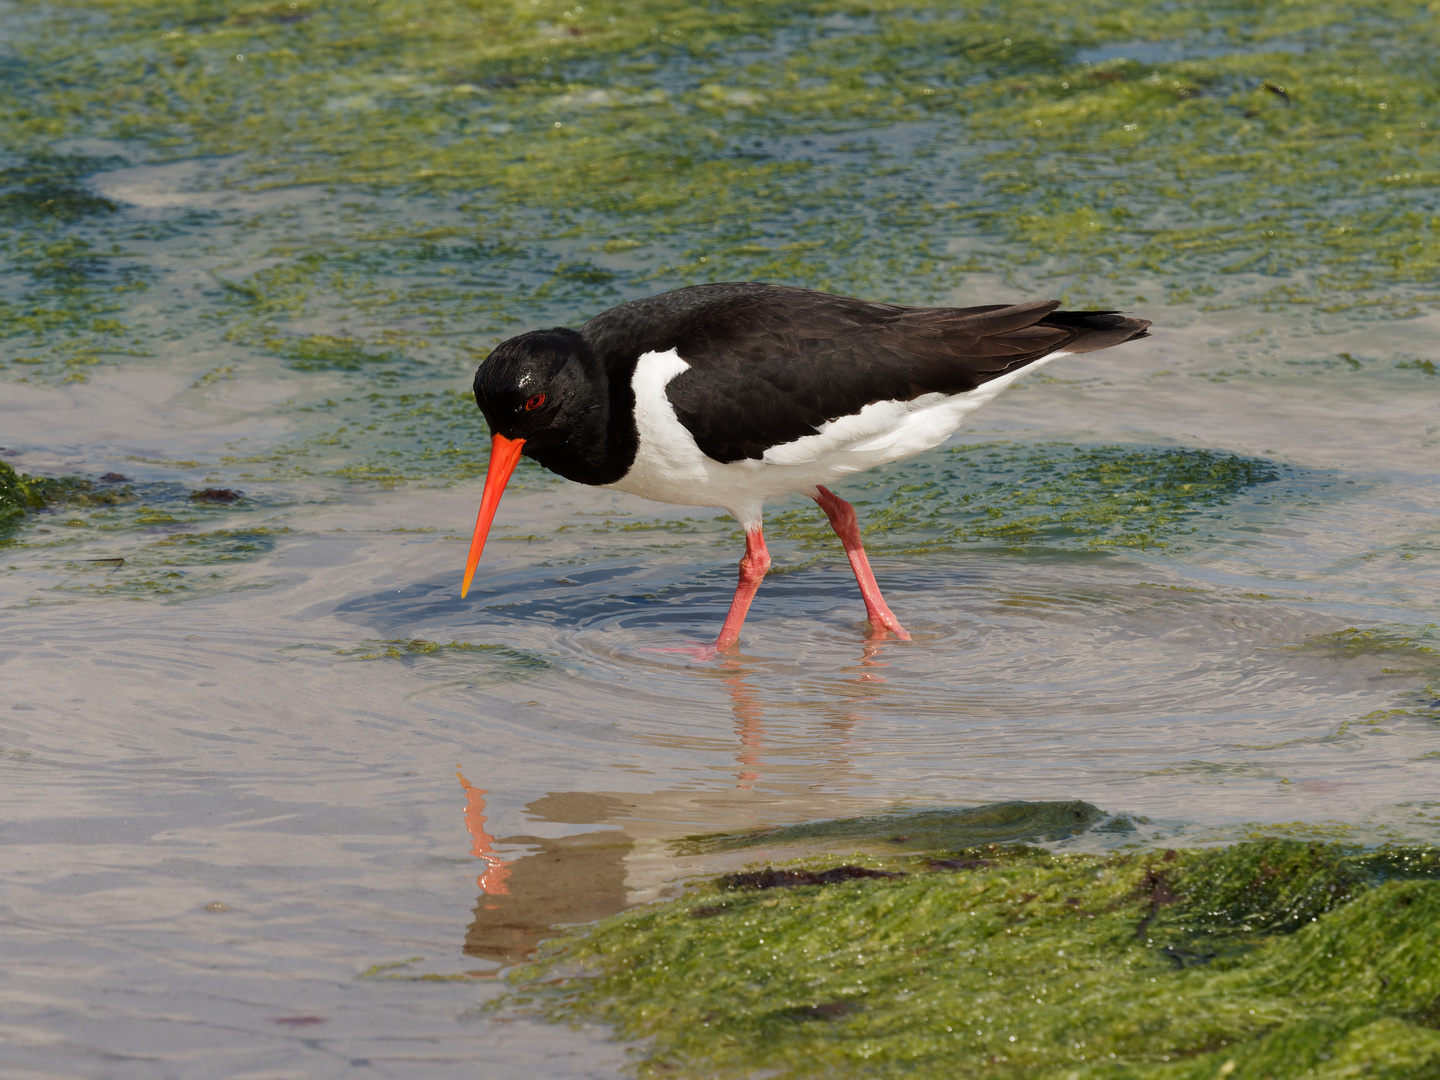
1099,329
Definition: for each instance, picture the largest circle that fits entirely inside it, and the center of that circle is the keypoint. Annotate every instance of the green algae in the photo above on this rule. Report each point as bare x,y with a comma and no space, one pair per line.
554,159
1047,495
125,505
48,187
326,352
1396,651
17,498
394,971
387,438
1279,886
22,495
1417,645
919,830
411,648
1270,958
213,546
132,539
180,563
66,284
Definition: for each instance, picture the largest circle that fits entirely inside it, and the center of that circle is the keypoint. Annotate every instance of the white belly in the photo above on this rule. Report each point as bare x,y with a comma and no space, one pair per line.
669,467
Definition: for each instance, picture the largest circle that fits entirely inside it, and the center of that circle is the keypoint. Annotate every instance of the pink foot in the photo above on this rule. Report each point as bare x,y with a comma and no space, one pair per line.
846,525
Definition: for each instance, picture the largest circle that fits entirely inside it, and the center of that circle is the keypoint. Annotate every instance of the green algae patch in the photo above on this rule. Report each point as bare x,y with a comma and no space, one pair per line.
474,663
48,187
215,546
385,439
1418,647
406,648
64,278
1272,958
552,159
919,830
395,971
180,564
96,508
326,352
133,539
1394,652
18,497
22,495
1048,495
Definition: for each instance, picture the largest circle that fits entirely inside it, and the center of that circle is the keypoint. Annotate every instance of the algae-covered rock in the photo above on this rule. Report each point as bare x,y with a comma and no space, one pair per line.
942,829
18,497
22,494
1265,959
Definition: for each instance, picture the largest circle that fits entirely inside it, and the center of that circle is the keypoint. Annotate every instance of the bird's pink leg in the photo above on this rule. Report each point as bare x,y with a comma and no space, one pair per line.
752,571
846,526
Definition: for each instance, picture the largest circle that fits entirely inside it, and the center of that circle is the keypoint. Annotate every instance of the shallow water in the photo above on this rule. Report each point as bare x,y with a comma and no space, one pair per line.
277,802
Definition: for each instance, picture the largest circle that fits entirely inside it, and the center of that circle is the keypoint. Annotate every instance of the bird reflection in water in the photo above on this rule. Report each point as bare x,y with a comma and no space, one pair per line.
497,871
582,877
749,721
572,879
870,658
745,704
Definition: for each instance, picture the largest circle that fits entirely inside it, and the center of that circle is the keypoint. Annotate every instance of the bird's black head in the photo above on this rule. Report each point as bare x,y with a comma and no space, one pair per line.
542,396
538,387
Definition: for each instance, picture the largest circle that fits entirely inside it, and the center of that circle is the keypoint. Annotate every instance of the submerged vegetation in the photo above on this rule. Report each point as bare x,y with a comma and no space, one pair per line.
22,495
1272,958
1404,651
118,537
920,830
1213,108
17,498
1046,495
556,157
1417,647
503,659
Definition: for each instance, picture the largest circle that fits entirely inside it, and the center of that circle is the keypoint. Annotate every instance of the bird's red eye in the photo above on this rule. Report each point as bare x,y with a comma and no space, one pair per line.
535,402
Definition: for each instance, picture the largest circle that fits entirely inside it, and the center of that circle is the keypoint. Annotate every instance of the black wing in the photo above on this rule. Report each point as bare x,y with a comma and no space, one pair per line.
769,364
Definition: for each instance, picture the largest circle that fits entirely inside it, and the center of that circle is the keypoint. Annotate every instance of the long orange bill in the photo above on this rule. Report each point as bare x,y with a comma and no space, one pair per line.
504,456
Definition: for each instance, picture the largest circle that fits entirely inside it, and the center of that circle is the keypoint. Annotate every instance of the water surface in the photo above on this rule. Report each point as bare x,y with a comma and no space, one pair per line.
278,803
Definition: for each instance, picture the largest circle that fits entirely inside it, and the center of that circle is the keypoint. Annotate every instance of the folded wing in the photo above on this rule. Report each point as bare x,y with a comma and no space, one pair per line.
770,364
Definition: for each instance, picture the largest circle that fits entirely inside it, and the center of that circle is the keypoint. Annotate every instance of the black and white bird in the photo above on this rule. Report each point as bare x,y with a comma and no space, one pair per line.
734,393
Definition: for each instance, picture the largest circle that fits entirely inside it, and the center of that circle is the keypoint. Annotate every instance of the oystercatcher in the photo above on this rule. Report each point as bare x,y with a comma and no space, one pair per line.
733,393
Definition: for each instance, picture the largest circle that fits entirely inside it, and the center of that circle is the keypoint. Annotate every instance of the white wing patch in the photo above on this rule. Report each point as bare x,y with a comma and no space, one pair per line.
886,431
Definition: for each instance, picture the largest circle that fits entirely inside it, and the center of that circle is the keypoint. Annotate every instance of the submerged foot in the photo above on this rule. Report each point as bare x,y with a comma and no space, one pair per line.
881,627
695,651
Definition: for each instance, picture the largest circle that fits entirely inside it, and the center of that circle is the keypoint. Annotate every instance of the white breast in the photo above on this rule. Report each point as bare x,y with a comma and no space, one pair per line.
669,467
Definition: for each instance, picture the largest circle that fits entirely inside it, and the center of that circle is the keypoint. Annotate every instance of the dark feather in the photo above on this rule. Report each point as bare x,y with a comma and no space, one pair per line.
769,363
